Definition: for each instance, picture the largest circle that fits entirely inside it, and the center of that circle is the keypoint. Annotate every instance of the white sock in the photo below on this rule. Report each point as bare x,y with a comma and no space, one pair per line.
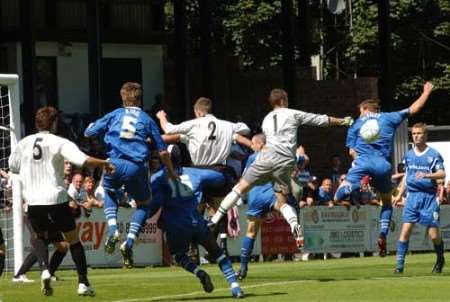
226,204
290,215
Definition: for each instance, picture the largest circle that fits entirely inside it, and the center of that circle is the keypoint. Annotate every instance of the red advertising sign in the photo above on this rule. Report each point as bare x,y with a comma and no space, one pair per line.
276,236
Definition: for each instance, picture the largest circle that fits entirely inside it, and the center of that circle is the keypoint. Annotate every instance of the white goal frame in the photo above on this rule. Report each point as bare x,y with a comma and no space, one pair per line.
12,81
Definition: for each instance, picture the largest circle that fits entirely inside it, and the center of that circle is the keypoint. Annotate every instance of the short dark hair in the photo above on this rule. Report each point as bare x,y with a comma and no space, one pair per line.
131,94
203,105
277,96
422,126
371,104
45,117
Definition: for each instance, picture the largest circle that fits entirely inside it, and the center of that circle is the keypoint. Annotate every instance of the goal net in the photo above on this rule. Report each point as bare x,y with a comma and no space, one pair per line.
11,221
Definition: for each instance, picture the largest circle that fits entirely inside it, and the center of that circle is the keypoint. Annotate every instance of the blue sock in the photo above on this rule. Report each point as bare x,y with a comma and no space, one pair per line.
246,252
186,263
110,209
227,268
402,249
385,219
137,221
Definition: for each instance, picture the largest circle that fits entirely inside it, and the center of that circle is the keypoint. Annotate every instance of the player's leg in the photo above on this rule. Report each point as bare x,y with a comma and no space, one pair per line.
137,185
178,242
224,263
429,216
38,217
253,225
260,171
381,172
410,217
242,187
64,222
61,249
111,183
27,264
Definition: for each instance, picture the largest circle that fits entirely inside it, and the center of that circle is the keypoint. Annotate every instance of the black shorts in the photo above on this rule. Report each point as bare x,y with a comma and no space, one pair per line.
51,218
2,241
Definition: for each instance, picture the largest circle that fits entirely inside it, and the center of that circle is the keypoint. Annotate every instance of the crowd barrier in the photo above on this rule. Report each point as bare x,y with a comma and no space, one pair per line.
332,230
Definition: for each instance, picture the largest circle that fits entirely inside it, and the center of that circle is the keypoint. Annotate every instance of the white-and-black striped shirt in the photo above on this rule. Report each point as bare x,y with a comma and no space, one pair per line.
39,161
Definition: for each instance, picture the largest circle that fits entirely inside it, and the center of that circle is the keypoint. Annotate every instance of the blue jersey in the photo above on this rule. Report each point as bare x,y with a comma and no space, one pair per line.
324,196
387,124
126,131
179,199
428,161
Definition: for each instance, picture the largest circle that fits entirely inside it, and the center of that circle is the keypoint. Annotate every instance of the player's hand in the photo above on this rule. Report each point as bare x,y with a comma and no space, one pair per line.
347,121
161,114
428,87
396,200
420,175
110,168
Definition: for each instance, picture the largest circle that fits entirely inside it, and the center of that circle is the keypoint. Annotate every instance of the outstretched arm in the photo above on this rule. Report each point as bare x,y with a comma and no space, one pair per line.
334,121
421,101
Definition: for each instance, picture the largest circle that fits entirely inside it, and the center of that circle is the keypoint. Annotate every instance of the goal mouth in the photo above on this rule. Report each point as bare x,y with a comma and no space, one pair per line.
11,212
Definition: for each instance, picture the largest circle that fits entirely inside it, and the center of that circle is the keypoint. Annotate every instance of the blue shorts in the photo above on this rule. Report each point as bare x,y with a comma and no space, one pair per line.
376,167
422,208
258,207
134,176
179,238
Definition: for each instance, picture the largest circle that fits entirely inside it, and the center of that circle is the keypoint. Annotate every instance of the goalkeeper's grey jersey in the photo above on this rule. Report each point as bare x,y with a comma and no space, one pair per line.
209,139
280,127
39,161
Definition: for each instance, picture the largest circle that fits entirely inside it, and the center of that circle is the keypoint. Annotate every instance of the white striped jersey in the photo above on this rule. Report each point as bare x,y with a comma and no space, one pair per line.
280,127
209,139
39,161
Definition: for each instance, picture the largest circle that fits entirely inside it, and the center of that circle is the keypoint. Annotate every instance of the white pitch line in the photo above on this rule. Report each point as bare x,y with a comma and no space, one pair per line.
256,286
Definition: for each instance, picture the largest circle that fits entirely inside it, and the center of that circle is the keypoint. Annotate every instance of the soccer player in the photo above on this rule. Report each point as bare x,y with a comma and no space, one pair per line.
261,200
183,224
424,166
209,141
39,161
277,159
126,133
373,158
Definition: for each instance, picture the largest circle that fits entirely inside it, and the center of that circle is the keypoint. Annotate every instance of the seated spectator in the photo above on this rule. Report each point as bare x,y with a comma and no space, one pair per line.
325,194
91,200
366,194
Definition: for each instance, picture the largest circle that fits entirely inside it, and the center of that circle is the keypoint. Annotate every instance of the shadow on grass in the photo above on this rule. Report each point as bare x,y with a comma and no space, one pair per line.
221,297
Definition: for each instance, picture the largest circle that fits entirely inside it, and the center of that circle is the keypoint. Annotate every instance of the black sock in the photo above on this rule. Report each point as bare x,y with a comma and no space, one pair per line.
27,264
55,261
79,257
439,249
41,252
2,263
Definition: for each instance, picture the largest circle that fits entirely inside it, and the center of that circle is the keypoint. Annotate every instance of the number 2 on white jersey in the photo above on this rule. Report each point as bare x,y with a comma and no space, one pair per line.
128,129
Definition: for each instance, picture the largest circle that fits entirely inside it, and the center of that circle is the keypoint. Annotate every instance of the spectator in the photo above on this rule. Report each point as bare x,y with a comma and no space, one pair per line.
325,194
397,177
67,173
91,200
442,195
335,171
367,196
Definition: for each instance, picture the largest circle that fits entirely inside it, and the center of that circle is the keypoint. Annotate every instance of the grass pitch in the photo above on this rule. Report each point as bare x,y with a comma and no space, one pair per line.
352,279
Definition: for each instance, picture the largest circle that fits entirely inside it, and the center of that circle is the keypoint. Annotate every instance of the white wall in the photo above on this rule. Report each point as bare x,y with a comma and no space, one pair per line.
73,78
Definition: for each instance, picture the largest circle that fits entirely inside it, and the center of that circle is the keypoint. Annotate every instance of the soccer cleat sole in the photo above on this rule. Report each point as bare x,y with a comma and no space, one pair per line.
207,284
110,244
127,255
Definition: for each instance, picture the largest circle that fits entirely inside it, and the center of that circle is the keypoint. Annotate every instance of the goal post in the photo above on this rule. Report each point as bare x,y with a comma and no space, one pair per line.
10,133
